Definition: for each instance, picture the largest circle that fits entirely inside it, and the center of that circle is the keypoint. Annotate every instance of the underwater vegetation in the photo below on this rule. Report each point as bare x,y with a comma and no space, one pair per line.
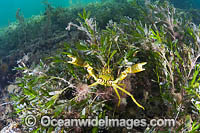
27,31
151,57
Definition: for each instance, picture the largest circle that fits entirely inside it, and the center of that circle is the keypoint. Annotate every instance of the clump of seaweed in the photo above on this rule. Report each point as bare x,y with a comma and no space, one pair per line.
173,43
169,86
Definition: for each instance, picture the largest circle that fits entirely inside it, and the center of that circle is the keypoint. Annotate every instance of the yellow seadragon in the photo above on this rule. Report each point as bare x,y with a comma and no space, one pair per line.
105,77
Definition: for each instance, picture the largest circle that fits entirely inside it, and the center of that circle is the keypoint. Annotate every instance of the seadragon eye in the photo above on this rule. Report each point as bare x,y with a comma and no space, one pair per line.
100,80
124,74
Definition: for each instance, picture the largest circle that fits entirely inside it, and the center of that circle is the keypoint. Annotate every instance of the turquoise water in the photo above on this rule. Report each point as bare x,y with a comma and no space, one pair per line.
8,8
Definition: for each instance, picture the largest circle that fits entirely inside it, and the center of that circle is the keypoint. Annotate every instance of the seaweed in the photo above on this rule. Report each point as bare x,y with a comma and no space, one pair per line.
160,36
